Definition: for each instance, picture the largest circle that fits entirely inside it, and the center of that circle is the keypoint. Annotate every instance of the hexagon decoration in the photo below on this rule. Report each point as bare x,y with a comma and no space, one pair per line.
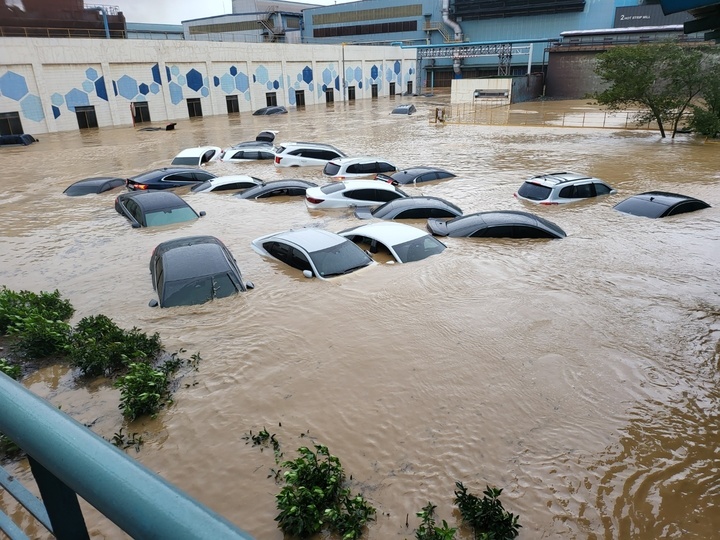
144,89
100,89
269,85
360,85
156,74
204,91
216,81
291,96
411,71
175,70
140,97
296,86
127,87
390,76
88,86
76,98
115,90
233,71
311,86
181,80
307,75
242,82
32,108
91,74
337,83
327,76
56,111
261,75
299,77
176,93
154,88
227,83
13,85
168,73
397,67
349,74
374,72
247,96
276,84
57,99
358,74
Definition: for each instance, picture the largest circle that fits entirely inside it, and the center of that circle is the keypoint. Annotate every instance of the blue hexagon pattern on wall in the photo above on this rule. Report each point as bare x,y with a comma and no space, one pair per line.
176,93
76,98
127,87
13,85
307,75
32,108
194,80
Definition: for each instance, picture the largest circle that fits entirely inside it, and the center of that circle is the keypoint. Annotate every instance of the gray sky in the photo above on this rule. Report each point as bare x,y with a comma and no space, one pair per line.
174,11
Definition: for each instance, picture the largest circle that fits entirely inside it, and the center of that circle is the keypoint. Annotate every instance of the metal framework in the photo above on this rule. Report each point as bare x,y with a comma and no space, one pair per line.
473,50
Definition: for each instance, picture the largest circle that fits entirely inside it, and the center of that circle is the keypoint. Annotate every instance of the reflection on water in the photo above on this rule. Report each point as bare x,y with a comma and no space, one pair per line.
580,375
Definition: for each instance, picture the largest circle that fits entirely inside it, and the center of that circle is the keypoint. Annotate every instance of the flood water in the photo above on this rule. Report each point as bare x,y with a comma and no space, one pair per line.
579,375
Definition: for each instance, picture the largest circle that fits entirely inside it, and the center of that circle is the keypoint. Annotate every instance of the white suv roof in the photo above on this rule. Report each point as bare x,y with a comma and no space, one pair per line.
553,179
562,187
299,154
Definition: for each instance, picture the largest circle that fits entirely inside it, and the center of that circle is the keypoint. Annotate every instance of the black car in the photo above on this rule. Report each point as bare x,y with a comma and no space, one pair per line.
194,270
270,110
414,175
167,178
291,187
154,208
499,224
21,139
410,208
98,184
659,204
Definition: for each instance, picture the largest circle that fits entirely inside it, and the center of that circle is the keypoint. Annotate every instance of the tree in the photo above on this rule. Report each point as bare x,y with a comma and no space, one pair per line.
662,80
705,117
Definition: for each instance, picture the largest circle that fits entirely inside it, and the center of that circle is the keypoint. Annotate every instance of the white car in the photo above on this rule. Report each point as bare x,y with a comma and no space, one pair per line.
249,151
316,252
561,188
197,156
234,182
352,193
305,154
358,167
405,243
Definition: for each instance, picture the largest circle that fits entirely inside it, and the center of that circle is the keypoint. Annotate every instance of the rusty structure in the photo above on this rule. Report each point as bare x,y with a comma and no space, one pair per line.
60,18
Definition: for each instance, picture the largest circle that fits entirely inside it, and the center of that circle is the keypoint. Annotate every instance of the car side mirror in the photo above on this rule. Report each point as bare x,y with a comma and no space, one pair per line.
308,273
249,285
201,213
153,303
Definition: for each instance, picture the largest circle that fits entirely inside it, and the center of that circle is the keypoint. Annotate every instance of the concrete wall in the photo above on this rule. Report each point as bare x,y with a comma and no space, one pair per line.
509,89
571,74
43,80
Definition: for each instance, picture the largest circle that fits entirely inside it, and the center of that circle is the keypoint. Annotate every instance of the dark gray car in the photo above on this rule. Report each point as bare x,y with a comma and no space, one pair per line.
499,224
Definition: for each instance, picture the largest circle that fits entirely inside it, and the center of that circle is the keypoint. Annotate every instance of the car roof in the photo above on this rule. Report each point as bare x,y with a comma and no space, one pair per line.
403,203
658,204
154,200
415,171
230,178
87,185
196,151
158,173
275,184
357,159
555,178
387,232
366,183
309,238
193,260
485,220
303,144
404,109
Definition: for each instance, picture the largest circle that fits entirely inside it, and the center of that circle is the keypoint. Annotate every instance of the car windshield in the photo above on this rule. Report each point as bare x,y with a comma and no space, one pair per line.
166,217
339,259
198,291
331,168
418,249
534,192
201,187
186,160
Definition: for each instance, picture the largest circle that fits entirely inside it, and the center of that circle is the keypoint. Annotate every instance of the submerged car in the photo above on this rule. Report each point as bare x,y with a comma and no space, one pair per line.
265,111
498,224
410,208
292,187
357,167
561,188
404,109
415,175
168,178
196,156
659,204
305,154
194,270
352,193
316,252
403,242
234,182
154,208
252,151
98,184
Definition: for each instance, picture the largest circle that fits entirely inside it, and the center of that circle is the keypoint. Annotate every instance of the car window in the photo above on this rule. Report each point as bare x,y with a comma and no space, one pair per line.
167,217
266,155
415,213
201,187
534,192
339,259
385,195
199,291
441,213
207,156
686,206
418,249
192,160
355,168
332,188
602,189
201,176
331,168
384,166
180,177
362,195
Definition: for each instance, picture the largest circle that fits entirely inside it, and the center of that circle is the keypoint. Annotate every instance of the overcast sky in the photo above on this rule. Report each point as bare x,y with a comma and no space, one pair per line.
174,11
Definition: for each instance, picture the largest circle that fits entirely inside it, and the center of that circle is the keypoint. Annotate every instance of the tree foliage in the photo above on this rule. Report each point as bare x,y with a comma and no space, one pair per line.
705,118
661,80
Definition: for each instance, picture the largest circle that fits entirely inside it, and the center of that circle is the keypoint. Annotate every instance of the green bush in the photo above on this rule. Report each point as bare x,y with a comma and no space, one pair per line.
143,390
705,122
428,530
98,346
487,517
11,370
36,336
20,304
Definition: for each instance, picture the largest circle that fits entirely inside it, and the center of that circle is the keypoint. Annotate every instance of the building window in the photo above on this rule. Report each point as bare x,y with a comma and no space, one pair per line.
86,117
141,111
300,98
410,88
351,93
329,95
10,124
271,99
194,107
374,89
233,105
392,89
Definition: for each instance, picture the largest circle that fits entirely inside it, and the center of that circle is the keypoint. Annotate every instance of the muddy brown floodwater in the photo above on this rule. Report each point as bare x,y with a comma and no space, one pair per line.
579,375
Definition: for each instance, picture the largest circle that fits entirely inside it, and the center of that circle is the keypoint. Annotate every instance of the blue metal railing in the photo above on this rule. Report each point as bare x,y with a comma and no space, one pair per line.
67,460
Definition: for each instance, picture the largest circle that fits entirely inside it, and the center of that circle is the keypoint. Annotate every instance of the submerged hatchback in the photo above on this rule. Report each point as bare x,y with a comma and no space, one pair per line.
561,188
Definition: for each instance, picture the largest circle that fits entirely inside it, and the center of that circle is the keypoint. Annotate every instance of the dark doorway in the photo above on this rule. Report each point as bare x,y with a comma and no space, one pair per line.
300,98
10,124
233,105
141,111
271,99
351,93
86,116
374,90
392,89
410,88
194,107
329,95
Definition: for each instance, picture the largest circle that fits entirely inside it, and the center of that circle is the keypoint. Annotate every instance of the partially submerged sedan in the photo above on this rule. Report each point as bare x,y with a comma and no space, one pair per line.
659,204
316,252
194,157
403,242
98,184
415,175
233,182
154,208
410,208
292,187
194,270
352,193
497,224
168,178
